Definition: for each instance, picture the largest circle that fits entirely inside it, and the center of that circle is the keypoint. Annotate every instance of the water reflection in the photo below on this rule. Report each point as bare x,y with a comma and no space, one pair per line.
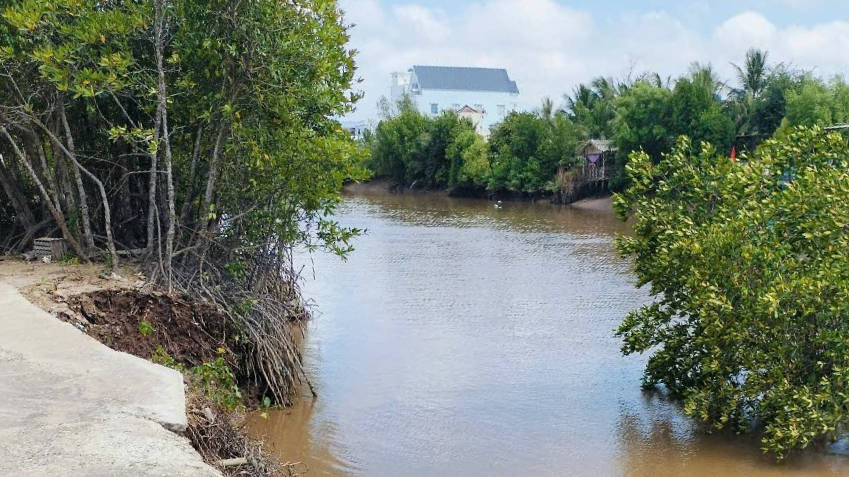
595,219
658,441
460,339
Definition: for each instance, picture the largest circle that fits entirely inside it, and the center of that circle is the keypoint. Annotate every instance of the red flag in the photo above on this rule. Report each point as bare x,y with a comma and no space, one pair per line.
734,154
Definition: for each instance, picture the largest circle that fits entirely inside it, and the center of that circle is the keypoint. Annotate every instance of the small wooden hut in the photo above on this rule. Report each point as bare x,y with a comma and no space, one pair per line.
598,154
592,177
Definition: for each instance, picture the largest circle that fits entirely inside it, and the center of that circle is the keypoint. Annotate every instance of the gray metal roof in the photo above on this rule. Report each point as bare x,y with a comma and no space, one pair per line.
465,79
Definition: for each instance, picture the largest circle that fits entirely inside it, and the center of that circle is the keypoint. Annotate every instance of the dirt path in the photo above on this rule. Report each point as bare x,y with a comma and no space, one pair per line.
72,406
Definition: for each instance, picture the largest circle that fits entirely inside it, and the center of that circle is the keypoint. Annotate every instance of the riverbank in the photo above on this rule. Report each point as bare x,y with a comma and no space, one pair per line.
601,202
385,186
69,313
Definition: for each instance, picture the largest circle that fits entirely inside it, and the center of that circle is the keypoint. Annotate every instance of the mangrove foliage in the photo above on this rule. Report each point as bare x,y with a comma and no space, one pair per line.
748,263
197,136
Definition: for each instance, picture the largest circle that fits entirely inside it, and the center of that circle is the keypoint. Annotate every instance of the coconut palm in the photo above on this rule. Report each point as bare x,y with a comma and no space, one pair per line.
605,88
753,78
547,110
754,74
706,77
583,99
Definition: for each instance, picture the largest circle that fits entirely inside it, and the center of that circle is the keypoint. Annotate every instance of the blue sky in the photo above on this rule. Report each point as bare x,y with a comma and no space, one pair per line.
548,46
703,13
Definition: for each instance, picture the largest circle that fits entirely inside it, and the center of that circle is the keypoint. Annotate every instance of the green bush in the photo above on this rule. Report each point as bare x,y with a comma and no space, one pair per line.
749,266
161,357
218,383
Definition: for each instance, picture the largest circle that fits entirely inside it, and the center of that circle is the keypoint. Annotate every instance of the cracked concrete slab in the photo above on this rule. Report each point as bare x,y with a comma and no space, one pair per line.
70,406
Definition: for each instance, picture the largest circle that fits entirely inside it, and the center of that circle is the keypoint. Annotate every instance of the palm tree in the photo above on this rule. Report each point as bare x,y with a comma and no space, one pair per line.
706,77
583,99
754,74
654,79
546,110
605,88
591,107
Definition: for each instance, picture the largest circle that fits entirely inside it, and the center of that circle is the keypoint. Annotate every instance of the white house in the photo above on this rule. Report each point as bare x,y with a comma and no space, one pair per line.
358,129
489,92
475,117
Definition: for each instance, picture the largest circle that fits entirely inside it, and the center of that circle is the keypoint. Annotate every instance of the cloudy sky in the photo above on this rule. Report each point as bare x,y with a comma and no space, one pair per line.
549,46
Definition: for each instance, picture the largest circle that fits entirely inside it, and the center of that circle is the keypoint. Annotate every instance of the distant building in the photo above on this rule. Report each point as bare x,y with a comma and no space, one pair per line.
489,92
475,117
358,129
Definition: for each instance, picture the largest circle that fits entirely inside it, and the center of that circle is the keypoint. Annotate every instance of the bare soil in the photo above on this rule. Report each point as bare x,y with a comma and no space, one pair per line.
190,332
111,308
49,285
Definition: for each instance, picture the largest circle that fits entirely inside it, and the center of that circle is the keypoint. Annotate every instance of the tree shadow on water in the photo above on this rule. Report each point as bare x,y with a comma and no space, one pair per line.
655,439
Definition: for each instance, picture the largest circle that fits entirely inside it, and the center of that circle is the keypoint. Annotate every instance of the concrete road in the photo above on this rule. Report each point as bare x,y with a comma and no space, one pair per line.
70,406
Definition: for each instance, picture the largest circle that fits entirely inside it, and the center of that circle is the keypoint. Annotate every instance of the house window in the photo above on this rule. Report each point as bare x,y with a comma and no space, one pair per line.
434,108
502,110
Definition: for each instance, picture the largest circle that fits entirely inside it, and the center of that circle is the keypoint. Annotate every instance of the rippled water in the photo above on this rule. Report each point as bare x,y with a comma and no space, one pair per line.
464,340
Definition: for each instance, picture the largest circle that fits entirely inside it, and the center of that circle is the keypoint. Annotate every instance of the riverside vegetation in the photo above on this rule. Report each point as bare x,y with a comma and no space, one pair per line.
196,139
749,265
195,135
644,113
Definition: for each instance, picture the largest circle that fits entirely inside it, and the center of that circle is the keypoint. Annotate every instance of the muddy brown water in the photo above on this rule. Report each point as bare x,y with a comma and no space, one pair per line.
460,339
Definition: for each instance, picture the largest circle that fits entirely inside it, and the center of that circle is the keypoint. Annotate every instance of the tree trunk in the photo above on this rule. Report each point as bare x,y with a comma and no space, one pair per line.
19,202
107,213
78,178
212,176
57,215
151,192
66,191
162,97
126,191
32,142
190,192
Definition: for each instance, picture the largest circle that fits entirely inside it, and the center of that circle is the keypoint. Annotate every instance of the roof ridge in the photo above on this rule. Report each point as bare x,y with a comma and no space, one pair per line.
465,78
462,67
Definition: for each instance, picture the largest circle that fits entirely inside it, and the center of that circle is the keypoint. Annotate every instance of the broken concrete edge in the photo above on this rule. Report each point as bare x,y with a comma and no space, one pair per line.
89,382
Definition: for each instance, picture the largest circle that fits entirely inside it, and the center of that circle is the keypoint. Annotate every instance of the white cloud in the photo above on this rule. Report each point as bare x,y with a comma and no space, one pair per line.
418,21
746,30
548,48
813,48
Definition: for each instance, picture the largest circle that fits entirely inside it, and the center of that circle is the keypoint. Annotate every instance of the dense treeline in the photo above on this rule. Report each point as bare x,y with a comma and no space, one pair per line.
645,113
195,134
522,155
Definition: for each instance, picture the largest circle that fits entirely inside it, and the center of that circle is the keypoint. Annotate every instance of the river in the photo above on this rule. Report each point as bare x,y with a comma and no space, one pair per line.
460,339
